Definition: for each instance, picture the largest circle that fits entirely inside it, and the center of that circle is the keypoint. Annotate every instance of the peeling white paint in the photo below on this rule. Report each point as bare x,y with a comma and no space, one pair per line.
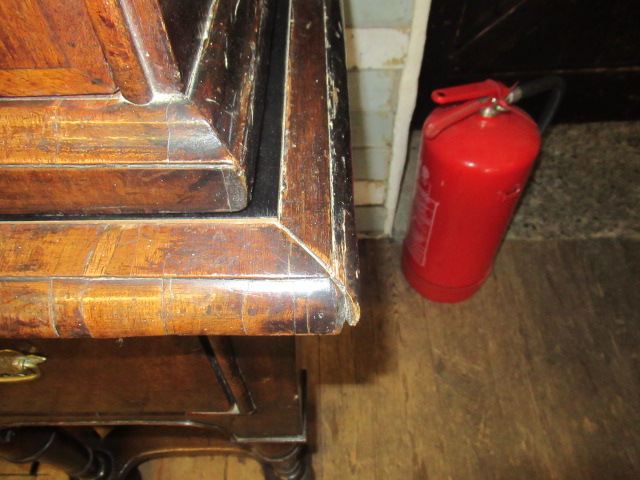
376,48
369,193
406,103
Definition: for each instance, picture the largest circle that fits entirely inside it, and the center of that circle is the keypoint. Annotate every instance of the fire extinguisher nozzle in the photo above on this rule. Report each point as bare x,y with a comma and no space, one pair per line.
553,84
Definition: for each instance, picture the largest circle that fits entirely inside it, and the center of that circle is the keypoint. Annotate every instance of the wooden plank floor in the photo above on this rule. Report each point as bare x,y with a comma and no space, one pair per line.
536,377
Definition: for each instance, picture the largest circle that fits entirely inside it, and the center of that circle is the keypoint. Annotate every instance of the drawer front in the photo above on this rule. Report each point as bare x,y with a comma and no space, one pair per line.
131,379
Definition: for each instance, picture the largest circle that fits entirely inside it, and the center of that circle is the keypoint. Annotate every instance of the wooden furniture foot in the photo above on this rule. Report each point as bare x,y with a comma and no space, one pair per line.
283,461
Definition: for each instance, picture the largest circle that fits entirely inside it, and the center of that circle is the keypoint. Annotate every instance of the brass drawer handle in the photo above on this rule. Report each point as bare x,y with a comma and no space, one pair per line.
18,367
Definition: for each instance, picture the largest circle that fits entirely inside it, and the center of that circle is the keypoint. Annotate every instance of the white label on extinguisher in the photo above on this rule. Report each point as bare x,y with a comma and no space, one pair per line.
422,217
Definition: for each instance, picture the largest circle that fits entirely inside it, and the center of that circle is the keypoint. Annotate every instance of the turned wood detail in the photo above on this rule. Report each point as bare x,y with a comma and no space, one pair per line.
283,461
56,447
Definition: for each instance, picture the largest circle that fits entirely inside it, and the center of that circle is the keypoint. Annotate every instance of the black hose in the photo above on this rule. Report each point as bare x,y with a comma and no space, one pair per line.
553,84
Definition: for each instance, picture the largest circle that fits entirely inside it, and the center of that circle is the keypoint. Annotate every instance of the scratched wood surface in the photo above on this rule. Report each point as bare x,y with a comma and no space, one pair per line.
119,45
294,272
536,377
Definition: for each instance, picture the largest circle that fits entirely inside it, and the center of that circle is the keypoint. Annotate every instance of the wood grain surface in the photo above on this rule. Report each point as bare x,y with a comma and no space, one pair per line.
42,53
295,272
119,43
154,49
185,21
227,82
108,153
318,126
110,379
536,377
307,126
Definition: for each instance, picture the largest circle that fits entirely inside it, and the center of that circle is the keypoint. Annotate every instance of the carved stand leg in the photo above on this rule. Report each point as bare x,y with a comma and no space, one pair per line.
131,446
55,447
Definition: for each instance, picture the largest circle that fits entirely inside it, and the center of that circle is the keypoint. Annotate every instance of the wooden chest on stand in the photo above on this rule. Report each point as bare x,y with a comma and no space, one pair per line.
175,206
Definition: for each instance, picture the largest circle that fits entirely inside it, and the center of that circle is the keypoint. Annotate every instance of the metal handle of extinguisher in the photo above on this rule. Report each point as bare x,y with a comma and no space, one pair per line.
553,84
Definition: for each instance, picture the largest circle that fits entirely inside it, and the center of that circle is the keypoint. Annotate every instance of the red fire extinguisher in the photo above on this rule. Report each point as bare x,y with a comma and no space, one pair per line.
476,156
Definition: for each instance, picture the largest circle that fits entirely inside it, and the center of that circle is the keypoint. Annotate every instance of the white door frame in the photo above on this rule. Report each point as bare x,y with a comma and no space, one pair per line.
408,91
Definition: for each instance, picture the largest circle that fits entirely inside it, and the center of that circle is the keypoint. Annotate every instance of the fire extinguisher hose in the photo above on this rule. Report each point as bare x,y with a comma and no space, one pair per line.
553,84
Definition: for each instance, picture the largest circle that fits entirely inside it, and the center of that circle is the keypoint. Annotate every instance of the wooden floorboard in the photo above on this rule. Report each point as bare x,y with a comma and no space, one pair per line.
536,377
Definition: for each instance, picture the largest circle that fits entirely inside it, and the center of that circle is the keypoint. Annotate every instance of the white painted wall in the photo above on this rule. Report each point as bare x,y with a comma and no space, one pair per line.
384,52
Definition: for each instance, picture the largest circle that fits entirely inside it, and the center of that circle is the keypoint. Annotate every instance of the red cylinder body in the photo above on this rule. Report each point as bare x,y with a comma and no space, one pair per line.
469,181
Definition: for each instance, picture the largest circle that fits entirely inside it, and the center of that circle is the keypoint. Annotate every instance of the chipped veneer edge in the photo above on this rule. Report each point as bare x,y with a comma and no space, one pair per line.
338,249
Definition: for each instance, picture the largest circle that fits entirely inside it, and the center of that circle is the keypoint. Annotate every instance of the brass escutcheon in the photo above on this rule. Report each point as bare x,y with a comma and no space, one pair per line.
18,367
